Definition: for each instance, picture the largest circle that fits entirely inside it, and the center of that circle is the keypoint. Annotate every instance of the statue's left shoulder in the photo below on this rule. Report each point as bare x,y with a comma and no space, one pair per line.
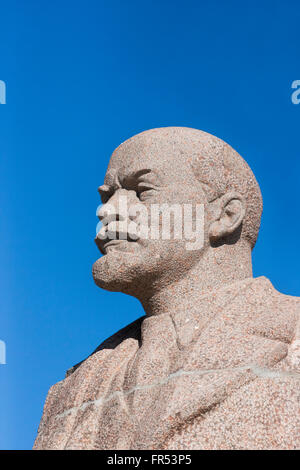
283,315
291,306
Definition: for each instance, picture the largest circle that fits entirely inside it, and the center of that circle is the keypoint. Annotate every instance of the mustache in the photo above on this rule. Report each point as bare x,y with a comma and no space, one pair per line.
116,231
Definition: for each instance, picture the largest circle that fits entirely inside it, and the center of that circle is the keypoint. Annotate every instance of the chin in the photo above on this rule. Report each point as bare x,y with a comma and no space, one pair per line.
119,272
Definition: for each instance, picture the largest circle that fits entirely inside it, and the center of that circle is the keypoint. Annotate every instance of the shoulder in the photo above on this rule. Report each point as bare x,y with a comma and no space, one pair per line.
285,304
277,317
133,330
262,283
289,306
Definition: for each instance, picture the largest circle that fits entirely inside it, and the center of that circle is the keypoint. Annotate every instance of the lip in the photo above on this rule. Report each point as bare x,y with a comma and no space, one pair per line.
113,243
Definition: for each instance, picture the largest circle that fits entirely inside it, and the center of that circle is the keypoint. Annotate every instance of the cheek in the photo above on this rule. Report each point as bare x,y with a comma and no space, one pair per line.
168,212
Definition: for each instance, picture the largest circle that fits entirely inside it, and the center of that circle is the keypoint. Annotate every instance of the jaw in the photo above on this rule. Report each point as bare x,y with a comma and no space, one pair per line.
135,273
143,272
121,272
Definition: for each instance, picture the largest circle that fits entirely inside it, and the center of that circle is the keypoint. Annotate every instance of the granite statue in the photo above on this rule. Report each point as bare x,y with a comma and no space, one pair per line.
215,361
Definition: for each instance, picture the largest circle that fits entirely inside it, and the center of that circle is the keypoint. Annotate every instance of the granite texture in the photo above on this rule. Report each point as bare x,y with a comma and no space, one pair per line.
215,361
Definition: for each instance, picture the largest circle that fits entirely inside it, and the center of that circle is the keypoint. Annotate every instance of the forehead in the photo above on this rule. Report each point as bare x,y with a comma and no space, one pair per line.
158,156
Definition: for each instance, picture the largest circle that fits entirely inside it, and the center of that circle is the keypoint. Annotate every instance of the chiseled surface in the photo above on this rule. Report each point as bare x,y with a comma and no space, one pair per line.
215,362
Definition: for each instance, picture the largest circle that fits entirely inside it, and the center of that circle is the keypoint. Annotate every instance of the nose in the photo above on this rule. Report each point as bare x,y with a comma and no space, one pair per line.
115,209
112,215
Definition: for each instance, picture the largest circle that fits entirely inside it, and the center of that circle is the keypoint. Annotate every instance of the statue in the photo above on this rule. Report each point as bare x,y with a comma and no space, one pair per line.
214,363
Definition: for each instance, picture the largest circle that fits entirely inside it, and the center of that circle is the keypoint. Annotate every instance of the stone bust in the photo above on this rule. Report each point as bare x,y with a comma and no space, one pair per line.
214,363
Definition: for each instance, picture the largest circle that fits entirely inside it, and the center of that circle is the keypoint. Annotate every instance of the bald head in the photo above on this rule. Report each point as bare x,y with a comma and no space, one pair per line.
215,164
176,169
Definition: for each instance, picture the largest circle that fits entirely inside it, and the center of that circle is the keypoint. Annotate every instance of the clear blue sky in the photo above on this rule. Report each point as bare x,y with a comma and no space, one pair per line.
81,78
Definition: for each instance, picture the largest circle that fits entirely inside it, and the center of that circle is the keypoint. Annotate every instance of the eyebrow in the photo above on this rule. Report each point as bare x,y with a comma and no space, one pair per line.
137,174
106,189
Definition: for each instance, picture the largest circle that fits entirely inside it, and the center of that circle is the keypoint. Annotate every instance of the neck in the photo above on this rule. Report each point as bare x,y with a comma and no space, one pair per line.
216,268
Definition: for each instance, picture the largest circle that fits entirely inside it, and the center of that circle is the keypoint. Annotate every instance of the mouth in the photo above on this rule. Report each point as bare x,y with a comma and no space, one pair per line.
113,244
106,246
114,237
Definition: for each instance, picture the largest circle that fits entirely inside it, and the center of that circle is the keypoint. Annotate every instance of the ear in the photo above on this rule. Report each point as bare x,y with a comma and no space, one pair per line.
229,215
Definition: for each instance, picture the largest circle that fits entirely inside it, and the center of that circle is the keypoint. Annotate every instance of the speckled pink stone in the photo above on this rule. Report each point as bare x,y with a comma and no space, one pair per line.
215,363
